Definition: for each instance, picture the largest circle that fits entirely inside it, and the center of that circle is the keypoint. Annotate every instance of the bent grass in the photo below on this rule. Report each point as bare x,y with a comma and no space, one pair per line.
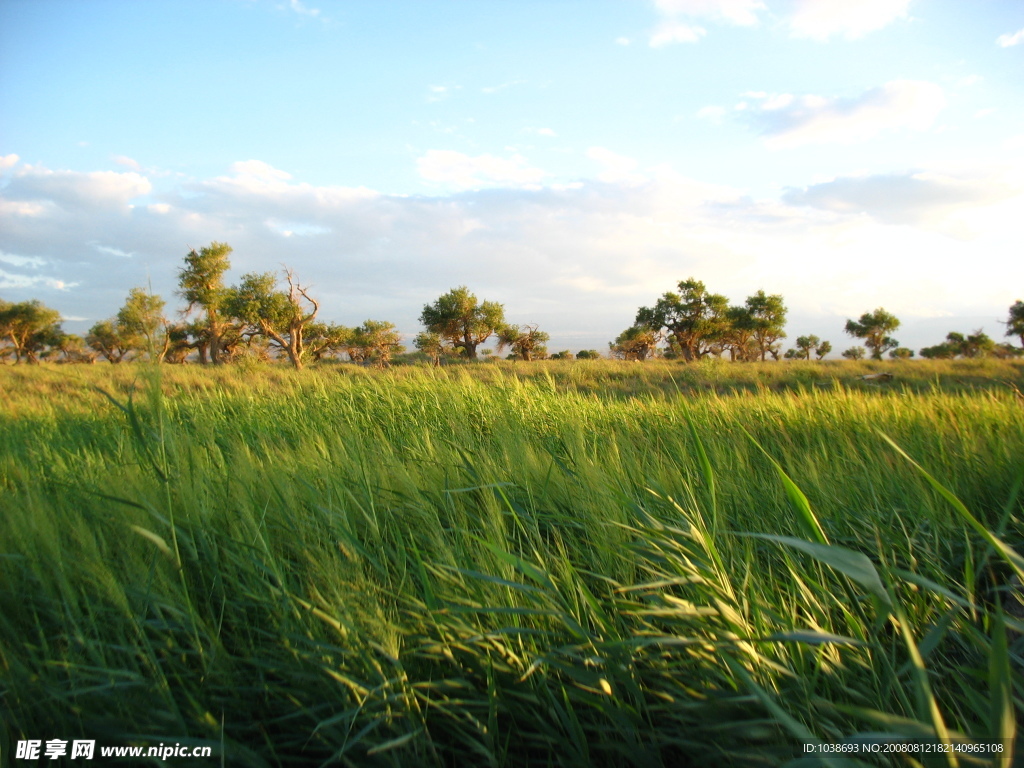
425,567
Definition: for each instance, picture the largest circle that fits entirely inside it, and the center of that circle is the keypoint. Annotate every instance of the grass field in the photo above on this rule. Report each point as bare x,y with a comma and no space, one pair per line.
582,563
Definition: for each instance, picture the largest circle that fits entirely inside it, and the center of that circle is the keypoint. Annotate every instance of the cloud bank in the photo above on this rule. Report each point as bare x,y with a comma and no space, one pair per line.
787,120
818,20
577,258
823,19
1006,41
678,18
455,169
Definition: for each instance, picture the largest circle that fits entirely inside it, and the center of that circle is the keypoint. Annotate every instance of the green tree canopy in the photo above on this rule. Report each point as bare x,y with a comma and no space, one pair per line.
1015,324
73,349
768,314
943,351
278,316
805,345
142,321
380,341
323,339
977,344
201,284
874,328
463,321
525,341
635,343
694,319
29,327
738,337
109,339
431,344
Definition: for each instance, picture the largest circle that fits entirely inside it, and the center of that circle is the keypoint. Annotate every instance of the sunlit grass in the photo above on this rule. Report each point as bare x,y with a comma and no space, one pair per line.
564,564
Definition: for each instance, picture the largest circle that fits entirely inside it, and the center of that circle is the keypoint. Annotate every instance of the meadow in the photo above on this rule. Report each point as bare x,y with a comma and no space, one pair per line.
553,564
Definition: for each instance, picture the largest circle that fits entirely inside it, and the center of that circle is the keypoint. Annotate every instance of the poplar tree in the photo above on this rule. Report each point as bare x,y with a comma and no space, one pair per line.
874,328
279,316
526,341
768,314
694,319
29,328
201,283
461,320
142,321
1015,323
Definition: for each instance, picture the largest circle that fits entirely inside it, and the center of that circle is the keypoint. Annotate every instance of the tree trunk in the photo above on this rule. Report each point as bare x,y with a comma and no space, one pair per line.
294,352
216,329
162,354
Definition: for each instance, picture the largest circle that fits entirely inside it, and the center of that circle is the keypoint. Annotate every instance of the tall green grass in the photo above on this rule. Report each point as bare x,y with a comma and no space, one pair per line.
439,567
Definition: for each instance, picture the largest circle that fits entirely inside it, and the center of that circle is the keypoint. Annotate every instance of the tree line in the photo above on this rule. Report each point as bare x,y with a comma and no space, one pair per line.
692,323
259,317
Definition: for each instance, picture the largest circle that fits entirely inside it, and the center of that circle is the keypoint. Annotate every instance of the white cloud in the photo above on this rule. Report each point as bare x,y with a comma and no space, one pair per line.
577,258
107,250
437,93
1005,41
295,228
298,7
258,193
127,162
944,201
821,19
21,261
616,168
790,121
262,181
37,186
28,273
669,32
622,41
460,170
22,208
712,113
495,88
8,161
741,12
257,169
8,281
677,15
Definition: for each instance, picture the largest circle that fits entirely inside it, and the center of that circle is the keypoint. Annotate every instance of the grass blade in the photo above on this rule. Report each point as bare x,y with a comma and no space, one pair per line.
796,498
856,565
1003,719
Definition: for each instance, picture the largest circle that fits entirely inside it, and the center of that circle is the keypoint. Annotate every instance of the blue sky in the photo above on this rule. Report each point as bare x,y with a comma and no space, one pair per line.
573,160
